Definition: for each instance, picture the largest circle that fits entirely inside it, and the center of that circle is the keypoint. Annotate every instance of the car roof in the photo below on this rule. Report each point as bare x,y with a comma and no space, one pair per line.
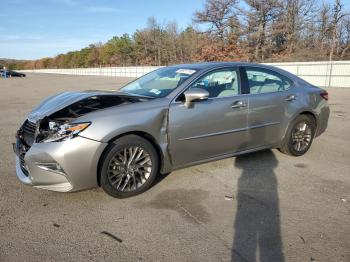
212,65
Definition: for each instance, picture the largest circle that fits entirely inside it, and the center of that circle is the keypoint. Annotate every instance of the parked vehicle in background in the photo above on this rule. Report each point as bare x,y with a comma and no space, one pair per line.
11,73
171,118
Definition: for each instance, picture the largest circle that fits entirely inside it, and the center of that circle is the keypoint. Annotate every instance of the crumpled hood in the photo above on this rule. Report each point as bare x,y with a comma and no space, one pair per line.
62,100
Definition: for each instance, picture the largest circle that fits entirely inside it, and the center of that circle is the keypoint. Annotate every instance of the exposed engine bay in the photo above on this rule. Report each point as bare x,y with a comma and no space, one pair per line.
55,122
90,104
56,127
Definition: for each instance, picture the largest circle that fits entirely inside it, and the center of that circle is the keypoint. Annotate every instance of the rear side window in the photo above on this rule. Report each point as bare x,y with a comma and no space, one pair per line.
262,80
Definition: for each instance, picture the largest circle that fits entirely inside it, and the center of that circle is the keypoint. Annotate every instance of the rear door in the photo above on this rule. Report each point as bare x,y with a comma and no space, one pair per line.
271,98
210,128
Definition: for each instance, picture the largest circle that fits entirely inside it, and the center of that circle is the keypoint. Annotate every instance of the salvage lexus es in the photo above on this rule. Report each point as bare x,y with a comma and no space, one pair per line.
171,118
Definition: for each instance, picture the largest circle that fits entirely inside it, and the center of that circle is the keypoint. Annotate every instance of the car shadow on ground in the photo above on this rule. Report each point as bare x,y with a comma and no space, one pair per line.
257,233
159,178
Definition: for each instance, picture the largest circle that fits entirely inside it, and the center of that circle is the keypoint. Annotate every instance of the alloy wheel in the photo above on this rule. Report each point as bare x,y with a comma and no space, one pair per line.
301,136
129,168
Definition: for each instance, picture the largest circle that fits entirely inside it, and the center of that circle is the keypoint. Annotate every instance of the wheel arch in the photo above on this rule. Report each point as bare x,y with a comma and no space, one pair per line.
303,112
142,134
311,114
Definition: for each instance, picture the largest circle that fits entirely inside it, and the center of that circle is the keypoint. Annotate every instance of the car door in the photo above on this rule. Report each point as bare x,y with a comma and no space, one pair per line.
271,97
209,128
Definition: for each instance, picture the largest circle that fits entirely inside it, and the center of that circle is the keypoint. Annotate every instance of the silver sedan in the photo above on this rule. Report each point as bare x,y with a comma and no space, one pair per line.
171,118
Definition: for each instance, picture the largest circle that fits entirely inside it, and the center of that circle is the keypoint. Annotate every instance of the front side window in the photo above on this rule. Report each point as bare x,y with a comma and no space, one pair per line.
220,83
158,83
266,81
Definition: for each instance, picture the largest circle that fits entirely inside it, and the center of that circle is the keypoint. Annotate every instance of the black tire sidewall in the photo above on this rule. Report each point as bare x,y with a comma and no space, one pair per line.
126,141
310,122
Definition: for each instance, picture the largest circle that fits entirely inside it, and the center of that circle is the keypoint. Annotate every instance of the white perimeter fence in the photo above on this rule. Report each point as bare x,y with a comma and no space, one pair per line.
322,74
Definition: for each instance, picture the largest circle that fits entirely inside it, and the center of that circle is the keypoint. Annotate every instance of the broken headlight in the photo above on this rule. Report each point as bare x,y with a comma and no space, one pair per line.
64,132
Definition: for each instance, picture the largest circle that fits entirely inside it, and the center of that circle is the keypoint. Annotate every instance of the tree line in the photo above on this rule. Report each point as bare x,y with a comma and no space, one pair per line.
235,30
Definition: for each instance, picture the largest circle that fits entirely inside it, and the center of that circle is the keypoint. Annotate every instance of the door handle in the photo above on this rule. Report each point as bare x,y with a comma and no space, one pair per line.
290,98
238,104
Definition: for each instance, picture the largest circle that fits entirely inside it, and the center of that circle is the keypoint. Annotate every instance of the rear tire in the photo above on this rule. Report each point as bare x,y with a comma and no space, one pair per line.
129,167
299,136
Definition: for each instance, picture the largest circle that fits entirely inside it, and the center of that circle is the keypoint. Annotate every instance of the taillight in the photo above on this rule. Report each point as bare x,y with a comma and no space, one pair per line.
324,95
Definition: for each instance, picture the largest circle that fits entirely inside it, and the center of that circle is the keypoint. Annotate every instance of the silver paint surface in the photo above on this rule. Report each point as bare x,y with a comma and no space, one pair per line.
184,135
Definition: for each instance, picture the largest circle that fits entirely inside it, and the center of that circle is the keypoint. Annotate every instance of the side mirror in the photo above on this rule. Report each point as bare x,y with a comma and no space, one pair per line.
195,94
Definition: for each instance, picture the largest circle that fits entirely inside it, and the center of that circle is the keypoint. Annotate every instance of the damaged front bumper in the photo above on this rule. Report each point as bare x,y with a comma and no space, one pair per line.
65,166
51,153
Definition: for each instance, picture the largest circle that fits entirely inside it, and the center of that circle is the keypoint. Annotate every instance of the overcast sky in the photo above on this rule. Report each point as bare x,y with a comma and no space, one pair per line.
31,29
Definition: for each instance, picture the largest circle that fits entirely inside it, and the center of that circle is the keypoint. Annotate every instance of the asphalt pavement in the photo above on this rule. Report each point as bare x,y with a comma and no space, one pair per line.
264,206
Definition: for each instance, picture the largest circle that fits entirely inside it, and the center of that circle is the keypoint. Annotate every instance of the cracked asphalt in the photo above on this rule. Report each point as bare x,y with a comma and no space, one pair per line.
264,206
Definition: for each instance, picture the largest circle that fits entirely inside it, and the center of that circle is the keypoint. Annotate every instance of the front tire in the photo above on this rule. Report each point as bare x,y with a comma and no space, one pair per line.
129,167
299,136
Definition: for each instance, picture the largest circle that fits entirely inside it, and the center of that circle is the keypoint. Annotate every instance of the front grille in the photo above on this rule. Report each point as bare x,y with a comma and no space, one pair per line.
26,137
29,130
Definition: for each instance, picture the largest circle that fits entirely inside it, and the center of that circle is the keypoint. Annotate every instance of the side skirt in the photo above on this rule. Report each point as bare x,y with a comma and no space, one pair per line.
219,157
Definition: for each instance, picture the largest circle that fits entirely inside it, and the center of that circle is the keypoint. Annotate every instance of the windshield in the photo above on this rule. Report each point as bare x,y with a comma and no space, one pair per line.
158,83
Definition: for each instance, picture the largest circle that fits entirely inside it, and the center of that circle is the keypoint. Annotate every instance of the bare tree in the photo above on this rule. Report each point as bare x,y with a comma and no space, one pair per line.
324,25
346,37
297,14
337,15
260,14
218,14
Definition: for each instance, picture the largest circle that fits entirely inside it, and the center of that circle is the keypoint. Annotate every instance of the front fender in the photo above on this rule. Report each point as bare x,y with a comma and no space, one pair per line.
111,123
